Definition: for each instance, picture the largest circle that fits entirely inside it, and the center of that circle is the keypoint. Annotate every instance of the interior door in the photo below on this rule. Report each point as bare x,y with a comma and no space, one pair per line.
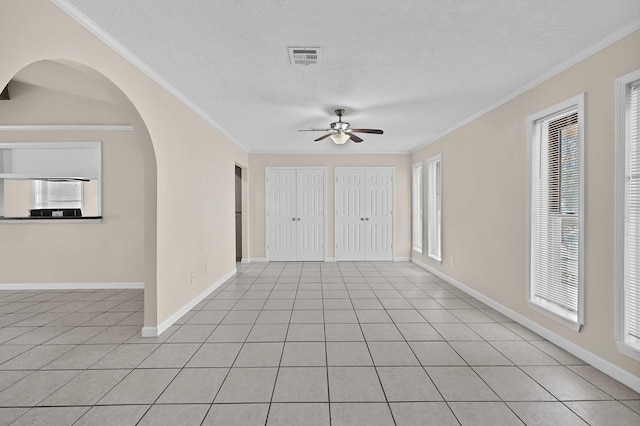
281,214
310,214
295,214
378,235
364,213
350,213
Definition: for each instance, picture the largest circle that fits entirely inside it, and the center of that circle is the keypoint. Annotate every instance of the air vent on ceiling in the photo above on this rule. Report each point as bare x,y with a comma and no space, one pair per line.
304,55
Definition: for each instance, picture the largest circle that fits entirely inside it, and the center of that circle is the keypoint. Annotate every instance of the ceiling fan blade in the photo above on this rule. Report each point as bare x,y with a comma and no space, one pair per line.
322,137
354,138
313,129
375,131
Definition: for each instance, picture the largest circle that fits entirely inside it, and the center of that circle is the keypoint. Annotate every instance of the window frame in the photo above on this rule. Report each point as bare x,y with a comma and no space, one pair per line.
417,208
434,253
576,102
623,85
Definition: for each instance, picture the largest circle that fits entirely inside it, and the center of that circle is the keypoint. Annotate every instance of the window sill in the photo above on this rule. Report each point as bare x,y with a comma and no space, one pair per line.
628,350
575,326
49,219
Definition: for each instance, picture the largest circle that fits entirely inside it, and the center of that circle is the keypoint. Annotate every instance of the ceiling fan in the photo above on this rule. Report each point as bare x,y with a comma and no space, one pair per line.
340,131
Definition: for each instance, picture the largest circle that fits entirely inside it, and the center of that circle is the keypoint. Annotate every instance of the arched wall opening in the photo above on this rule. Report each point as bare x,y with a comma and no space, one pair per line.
65,101
189,237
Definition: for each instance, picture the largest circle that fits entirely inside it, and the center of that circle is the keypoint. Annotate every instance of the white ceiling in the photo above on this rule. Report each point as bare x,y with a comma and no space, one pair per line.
415,68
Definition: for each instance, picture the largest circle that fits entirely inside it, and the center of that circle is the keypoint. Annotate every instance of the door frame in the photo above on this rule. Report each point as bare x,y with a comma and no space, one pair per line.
266,206
393,209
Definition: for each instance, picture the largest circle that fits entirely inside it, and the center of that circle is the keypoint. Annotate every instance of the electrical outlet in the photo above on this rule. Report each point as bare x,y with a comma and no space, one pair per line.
453,261
193,277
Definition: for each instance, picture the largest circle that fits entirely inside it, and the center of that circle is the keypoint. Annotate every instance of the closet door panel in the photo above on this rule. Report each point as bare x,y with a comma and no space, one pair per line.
310,214
379,215
281,212
350,213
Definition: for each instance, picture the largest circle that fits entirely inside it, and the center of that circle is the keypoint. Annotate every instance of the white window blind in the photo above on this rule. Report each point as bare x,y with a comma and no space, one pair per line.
556,238
416,207
629,332
434,207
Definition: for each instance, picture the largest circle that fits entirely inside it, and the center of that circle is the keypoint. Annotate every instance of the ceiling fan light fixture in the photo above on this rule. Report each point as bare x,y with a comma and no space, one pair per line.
339,138
340,131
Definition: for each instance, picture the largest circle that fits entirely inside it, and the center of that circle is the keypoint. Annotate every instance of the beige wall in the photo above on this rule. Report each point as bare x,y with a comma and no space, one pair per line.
107,252
189,218
402,196
484,197
91,198
18,198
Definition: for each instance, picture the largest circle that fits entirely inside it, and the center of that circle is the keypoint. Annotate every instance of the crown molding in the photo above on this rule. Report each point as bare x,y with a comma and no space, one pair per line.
119,48
67,127
573,60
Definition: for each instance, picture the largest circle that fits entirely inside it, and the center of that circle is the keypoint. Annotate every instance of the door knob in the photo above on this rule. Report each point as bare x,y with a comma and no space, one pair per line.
362,218
366,218
298,219
293,219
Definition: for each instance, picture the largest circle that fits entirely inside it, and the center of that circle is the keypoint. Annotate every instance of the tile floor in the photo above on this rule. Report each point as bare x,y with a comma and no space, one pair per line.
294,344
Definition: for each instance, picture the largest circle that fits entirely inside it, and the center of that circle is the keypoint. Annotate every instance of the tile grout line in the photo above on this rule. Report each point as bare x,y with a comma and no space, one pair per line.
275,381
398,283
384,393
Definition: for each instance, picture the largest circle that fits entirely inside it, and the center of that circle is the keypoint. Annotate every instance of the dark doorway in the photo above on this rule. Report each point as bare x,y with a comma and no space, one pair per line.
238,214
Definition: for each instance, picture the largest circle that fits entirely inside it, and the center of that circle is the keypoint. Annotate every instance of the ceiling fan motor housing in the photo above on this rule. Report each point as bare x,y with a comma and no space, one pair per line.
340,126
340,131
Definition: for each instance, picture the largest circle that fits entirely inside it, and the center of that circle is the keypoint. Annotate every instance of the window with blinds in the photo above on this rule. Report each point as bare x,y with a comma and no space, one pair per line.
434,207
416,207
556,213
628,221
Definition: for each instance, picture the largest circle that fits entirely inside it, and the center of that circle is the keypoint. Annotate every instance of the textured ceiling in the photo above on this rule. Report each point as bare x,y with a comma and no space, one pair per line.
413,68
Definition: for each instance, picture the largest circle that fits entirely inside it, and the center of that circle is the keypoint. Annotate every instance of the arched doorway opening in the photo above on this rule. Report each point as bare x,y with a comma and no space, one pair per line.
62,101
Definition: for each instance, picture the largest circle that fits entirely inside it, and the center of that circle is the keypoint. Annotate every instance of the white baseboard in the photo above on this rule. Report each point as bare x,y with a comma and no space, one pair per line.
243,260
156,331
620,374
70,286
257,260
149,332
330,259
401,259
